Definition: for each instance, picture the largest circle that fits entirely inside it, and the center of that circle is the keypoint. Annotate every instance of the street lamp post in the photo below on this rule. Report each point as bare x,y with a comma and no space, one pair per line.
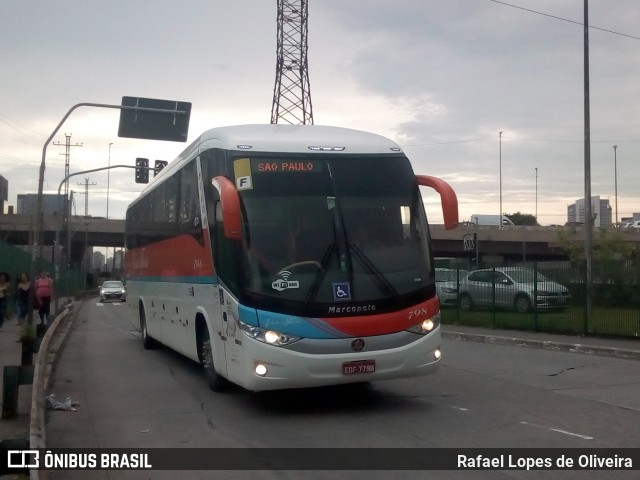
108,179
500,217
615,175
536,194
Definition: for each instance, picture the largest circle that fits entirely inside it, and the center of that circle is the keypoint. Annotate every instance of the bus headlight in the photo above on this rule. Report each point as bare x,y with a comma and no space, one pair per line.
426,326
270,337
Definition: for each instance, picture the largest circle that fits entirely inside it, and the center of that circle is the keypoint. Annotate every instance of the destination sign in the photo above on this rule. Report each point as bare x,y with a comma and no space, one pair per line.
285,166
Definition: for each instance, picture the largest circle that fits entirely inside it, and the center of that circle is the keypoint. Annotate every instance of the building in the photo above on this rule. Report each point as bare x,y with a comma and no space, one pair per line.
98,261
4,193
27,203
600,209
635,217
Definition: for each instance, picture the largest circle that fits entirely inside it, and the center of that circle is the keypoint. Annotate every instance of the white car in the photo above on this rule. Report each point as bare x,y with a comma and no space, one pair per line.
447,281
113,290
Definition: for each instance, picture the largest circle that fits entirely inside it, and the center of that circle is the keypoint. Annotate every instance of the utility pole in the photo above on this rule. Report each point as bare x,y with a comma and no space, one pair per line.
615,175
292,93
588,220
67,155
500,217
86,195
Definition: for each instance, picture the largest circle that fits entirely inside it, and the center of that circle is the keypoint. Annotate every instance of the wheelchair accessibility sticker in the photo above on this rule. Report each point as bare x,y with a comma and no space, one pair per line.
341,291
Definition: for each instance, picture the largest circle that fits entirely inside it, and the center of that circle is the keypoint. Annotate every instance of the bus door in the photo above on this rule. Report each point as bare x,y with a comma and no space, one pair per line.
226,272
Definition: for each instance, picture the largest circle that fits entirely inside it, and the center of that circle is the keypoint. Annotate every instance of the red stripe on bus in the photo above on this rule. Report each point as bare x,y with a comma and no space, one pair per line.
385,323
178,256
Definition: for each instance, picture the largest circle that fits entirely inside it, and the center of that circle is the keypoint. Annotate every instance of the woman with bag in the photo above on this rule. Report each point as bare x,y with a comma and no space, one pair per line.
44,292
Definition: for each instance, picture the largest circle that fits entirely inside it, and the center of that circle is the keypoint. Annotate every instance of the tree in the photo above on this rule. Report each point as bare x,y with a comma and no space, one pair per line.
608,244
522,218
616,262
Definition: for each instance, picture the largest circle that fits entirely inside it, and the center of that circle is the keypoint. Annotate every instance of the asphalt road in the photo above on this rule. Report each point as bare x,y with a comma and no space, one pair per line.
483,396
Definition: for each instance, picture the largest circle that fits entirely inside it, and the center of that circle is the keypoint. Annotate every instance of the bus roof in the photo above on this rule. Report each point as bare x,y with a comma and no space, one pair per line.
308,139
296,139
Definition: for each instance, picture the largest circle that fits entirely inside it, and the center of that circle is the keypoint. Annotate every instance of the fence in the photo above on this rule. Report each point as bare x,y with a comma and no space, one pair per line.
15,261
507,296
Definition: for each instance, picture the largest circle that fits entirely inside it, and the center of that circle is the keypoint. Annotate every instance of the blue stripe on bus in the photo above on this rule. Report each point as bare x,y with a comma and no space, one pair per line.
297,326
201,280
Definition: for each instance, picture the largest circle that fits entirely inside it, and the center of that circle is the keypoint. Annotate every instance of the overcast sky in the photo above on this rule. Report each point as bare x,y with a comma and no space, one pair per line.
442,78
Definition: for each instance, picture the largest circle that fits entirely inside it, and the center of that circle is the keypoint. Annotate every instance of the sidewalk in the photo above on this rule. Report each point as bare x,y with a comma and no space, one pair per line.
15,432
11,354
610,347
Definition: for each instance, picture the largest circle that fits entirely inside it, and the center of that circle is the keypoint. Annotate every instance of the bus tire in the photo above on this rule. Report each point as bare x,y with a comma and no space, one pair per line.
216,382
147,342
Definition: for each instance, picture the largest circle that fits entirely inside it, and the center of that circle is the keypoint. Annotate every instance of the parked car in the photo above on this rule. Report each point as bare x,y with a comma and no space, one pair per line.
515,287
113,290
447,280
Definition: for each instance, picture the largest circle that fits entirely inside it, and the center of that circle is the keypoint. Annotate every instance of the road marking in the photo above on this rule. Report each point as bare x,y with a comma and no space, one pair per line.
557,430
462,409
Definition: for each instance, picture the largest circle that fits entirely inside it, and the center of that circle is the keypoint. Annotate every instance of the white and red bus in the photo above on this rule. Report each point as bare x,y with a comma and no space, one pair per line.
283,256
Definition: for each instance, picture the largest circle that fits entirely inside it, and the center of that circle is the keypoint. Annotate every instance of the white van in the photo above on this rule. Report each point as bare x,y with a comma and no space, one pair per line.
490,220
633,224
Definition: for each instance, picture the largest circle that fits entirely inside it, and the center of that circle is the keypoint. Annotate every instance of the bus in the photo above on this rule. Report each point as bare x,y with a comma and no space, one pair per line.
288,256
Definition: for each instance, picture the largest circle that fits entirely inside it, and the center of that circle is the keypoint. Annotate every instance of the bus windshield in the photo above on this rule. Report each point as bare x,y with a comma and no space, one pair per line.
318,232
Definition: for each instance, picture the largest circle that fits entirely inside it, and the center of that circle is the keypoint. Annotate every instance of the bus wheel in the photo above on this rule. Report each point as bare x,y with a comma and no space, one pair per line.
147,342
216,382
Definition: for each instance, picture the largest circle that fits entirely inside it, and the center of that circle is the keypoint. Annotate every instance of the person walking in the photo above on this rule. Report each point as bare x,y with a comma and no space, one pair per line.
5,291
44,292
23,289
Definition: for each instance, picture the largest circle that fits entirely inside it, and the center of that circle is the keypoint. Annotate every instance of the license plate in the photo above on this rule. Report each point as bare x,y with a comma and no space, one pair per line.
358,367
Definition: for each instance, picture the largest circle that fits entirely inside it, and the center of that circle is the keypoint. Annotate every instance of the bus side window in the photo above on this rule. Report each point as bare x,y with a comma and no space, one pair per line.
189,215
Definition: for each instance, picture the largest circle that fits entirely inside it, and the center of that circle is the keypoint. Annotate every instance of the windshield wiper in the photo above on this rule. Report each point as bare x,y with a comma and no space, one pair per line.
383,284
317,281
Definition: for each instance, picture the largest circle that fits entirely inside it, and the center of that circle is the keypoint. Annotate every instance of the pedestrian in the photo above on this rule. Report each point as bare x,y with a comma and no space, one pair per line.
44,292
5,292
23,289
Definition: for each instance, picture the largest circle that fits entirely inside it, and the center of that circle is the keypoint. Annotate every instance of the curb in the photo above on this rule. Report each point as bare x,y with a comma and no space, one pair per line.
545,345
43,368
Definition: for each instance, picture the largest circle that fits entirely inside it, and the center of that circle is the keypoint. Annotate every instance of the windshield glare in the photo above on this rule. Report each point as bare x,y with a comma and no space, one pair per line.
332,235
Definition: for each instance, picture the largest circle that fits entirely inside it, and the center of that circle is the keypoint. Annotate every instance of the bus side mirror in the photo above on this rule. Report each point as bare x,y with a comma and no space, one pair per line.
448,199
230,202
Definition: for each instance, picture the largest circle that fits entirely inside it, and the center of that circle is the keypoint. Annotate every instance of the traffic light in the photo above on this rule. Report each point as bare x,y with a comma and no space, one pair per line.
142,170
159,165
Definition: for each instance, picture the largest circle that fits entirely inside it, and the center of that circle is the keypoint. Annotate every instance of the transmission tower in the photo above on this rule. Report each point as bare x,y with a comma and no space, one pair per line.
67,155
291,93
86,195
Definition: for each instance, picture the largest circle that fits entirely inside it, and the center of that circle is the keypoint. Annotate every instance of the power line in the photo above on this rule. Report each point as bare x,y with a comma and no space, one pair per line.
564,19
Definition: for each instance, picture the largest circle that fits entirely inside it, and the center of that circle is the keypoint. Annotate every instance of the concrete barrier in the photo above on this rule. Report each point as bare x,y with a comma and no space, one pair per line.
43,367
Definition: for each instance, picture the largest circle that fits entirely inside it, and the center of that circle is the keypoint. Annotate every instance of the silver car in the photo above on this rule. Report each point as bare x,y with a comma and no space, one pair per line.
512,287
447,280
113,290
